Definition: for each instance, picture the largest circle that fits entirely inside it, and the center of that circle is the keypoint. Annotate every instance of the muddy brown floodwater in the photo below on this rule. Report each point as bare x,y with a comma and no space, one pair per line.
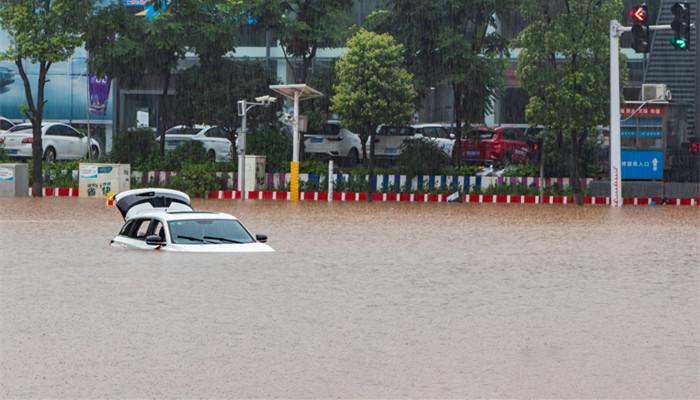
359,301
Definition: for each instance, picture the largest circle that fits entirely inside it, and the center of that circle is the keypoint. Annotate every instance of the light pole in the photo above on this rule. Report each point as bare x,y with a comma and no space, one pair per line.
243,107
296,93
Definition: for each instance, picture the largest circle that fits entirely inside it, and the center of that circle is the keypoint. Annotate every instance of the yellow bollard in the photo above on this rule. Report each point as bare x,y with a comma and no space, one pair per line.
110,199
294,184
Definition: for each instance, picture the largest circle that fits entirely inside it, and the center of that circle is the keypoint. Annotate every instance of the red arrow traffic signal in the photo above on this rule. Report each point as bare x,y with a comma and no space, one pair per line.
639,14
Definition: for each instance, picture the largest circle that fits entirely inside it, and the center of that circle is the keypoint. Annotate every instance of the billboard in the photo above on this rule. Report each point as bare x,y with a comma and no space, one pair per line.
66,92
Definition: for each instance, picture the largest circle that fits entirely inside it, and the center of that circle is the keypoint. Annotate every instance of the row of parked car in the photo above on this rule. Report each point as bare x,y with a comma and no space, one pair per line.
501,144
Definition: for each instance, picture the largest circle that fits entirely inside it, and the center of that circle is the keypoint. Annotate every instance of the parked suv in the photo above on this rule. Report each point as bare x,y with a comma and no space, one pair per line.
334,141
503,144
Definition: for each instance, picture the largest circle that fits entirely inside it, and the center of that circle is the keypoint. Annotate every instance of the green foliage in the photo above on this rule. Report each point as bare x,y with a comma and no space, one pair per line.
3,155
373,87
302,26
463,48
421,157
521,170
188,153
196,180
133,147
43,31
315,167
208,94
463,170
272,143
563,65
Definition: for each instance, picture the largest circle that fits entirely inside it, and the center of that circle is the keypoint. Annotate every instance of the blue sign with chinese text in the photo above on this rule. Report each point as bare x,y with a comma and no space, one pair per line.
642,164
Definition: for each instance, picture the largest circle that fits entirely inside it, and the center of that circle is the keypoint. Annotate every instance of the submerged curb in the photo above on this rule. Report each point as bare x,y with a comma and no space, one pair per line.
414,198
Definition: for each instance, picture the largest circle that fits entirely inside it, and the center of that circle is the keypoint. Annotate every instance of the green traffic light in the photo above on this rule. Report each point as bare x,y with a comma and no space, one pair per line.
679,43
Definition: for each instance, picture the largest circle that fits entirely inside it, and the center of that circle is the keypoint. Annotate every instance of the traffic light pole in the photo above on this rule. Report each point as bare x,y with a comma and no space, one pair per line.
616,30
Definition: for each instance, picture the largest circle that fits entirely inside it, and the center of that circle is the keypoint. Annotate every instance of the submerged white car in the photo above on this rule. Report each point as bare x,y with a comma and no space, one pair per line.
163,219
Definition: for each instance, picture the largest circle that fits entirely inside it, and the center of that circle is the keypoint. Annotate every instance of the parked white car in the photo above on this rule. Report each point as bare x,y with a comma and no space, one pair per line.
213,138
59,142
5,125
437,134
389,139
163,219
334,141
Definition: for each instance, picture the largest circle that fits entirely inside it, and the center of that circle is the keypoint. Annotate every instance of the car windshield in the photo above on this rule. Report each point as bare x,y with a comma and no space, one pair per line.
208,231
396,131
182,131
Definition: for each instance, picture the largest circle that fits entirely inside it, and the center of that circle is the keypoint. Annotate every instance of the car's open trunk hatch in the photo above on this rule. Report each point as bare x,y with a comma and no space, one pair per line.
136,201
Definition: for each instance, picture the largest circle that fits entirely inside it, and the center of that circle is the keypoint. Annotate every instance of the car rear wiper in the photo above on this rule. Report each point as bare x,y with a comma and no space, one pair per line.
223,239
193,238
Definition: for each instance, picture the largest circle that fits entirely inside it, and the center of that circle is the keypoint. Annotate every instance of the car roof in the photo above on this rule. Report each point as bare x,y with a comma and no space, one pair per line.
182,215
430,125
200,127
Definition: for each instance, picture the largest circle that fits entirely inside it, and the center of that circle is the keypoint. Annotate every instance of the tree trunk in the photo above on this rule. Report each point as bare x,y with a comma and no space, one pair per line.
35,114
370,175
163,112
575,173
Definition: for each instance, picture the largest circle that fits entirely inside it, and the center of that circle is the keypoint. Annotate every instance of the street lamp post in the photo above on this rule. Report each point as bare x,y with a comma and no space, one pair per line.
296,93
243,107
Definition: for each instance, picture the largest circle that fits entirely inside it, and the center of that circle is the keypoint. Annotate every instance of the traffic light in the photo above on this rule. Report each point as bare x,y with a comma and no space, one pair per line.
681,25
640,29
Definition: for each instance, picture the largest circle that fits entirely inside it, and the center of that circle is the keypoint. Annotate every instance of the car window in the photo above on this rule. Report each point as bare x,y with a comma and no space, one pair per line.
182,131
396,131
140,229
327,129
22,127
127,228
55,130
157,229
5,125
215,133
481,135
70,132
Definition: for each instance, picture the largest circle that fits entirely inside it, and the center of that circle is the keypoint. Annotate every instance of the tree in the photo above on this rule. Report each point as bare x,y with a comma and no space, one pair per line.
373,88
463,48
302,26
41,32
129,47
209,93
564,67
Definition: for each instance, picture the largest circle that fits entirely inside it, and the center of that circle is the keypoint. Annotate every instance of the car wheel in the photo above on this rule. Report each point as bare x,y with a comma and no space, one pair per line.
211,155
94,153
50,154
352,159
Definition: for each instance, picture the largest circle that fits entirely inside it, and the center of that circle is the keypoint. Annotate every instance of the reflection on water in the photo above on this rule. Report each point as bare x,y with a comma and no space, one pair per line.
358,301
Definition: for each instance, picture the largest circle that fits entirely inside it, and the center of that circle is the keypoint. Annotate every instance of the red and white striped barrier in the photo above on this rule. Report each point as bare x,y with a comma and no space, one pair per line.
442,198
413,198
57,192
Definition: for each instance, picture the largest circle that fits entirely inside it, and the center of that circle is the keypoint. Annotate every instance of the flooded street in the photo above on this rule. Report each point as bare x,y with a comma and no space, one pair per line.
359,301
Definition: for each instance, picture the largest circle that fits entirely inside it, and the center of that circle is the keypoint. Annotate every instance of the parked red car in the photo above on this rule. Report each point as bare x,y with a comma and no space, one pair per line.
501,144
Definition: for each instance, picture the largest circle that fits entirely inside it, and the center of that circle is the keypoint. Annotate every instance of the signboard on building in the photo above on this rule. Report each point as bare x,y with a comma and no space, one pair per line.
642,164
647,111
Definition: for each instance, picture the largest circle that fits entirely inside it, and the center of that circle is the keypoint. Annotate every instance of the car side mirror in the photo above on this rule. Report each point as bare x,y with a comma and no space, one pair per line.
261,238
154,240
452,136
